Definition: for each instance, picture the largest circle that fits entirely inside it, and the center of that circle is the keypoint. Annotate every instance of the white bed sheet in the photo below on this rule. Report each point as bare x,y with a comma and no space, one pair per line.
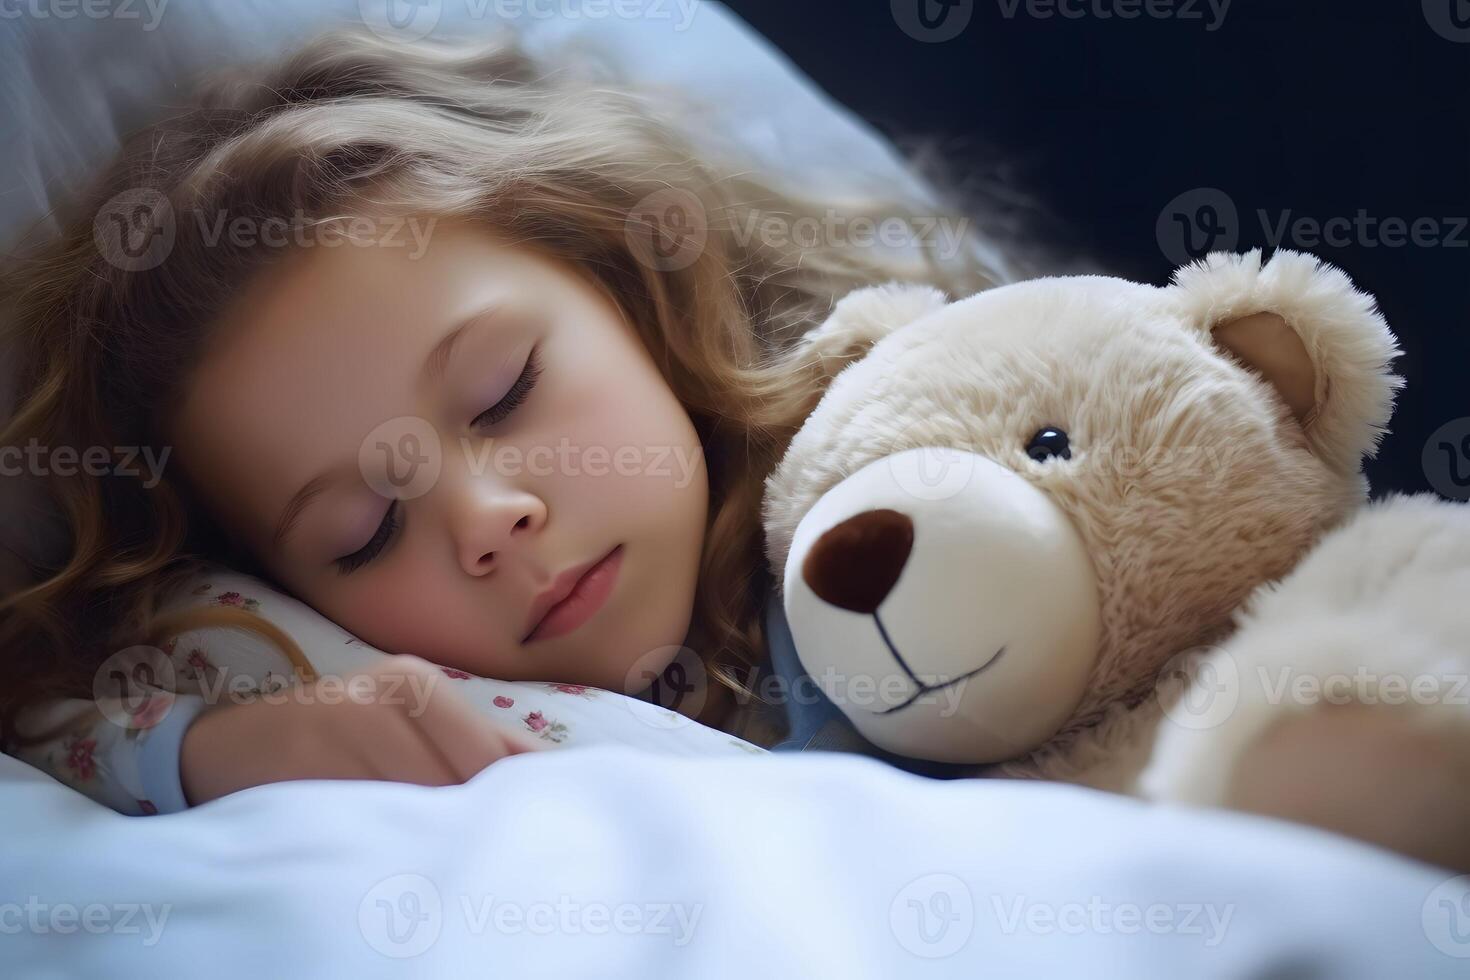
608,862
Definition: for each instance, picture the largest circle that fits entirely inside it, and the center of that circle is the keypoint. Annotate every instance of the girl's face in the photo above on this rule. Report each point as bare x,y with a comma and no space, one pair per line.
418,441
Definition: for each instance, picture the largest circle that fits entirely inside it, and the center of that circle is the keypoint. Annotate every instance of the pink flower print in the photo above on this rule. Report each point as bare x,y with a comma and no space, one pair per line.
148,807
580,690
236,599
168,648
456,673
198,660
79,757
552,731
501,701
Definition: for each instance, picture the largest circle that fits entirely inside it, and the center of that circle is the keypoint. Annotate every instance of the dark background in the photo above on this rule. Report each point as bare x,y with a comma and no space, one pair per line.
1299,108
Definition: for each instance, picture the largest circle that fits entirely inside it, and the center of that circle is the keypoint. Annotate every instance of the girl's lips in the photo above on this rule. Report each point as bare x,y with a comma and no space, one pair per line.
586,597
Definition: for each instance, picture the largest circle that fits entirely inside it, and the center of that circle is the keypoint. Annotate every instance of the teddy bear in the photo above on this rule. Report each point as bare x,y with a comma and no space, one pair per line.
1086,529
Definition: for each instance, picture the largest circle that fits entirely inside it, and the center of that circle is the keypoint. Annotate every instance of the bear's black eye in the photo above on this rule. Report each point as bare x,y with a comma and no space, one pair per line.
1049,442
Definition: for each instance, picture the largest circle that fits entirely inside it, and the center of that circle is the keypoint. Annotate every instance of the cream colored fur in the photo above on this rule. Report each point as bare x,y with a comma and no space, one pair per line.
1190,482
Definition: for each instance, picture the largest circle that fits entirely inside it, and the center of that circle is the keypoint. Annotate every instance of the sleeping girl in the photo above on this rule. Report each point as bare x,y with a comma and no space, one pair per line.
477,359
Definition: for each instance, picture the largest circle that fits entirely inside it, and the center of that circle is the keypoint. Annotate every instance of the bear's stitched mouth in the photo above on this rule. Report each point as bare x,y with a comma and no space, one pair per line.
922,688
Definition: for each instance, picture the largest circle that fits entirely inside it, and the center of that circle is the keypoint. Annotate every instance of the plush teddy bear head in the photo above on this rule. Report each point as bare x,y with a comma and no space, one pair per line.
1012,510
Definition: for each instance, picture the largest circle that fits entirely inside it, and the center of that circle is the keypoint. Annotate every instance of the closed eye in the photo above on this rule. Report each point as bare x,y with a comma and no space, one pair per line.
389,526
501,410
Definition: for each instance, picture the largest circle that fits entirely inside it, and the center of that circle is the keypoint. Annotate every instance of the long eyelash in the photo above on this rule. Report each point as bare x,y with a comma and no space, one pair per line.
501,410
375,546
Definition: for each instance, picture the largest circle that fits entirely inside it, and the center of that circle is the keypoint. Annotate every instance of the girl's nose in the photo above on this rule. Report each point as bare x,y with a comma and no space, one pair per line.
490,517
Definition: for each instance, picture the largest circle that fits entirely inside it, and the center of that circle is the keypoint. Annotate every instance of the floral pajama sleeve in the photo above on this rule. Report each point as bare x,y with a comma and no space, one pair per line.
122,748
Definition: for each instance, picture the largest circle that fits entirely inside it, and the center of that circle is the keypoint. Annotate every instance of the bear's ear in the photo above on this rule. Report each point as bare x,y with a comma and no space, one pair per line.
865,316
1302,326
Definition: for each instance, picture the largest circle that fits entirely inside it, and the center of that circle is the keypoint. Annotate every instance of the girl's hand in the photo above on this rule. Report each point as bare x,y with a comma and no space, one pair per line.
413,729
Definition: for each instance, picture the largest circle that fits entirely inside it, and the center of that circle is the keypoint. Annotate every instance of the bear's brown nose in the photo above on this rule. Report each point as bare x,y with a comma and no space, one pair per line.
854,564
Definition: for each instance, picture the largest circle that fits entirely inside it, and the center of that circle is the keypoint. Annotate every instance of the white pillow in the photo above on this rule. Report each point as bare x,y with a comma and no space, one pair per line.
217,661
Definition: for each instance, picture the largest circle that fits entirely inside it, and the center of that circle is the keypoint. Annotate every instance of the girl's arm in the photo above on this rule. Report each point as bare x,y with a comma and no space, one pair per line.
127,767
143,765
132,770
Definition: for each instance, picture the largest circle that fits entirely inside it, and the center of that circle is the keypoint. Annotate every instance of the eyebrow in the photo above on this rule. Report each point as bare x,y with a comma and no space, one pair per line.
292,512
438,359
431,373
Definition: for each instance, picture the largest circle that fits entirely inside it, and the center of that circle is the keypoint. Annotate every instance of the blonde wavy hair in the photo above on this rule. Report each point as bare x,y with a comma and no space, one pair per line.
553,160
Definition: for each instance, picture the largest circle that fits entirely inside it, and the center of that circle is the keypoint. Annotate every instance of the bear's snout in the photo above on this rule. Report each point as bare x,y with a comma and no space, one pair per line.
855,564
